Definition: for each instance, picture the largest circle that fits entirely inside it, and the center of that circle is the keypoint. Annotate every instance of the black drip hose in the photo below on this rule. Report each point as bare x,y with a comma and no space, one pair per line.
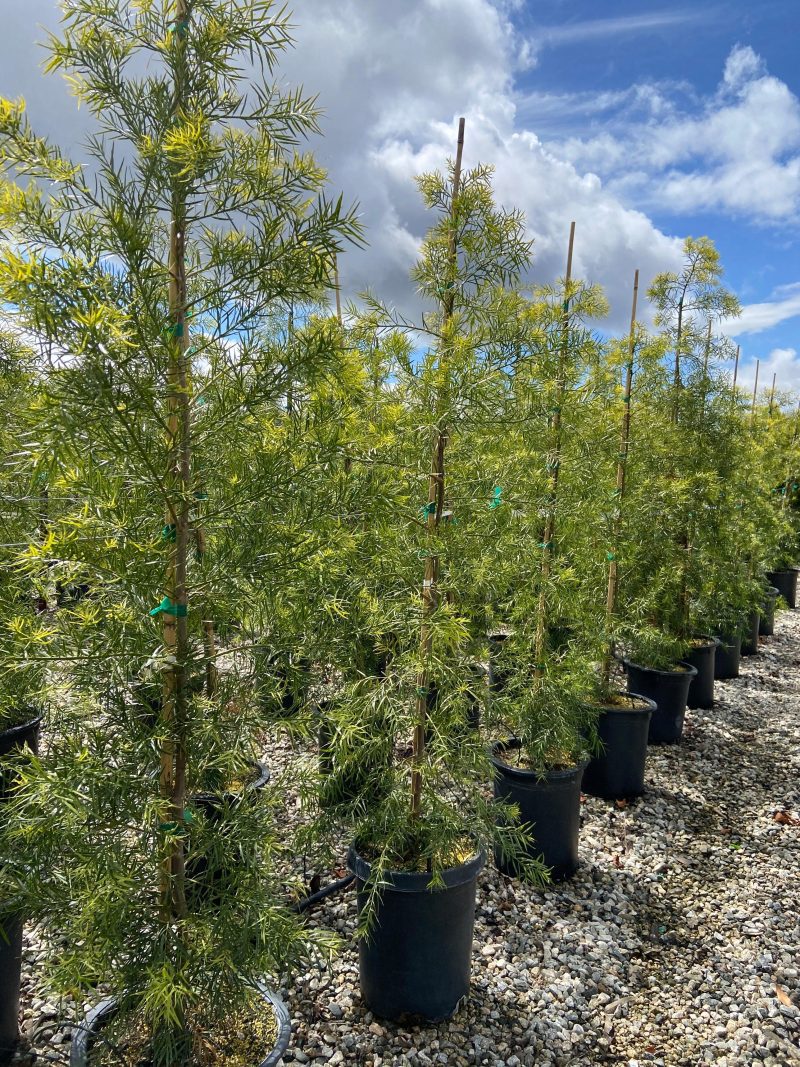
322,894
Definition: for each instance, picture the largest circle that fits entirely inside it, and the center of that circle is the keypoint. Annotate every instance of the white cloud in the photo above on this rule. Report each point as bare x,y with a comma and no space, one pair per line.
756,318
740,153
783,364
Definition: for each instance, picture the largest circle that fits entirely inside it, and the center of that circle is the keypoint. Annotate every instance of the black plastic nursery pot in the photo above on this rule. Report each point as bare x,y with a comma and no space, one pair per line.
12,741
618,771
669,691
766,624
701,656
726,661
10,972
786,584
416,960
750,635
550,805
85,1037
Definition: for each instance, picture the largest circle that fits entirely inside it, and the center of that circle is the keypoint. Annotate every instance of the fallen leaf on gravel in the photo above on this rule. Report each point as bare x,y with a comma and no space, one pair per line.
621,803
784,997
785,818
617,861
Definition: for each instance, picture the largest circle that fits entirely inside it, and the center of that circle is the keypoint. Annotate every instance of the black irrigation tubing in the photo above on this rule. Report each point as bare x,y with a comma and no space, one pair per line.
322,894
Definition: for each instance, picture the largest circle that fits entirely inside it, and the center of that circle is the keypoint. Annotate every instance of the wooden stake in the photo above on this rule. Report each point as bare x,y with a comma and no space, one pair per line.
338,290
436,491
172,778
772,392
735,374
755,393
622,461
554,465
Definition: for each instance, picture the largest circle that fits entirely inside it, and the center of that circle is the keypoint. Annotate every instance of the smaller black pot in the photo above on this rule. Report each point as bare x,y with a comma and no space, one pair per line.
750,635
98,1017
416,961
786,583
669,690
498,677
766,624
10,972
551,806
619,771
726,661
701,687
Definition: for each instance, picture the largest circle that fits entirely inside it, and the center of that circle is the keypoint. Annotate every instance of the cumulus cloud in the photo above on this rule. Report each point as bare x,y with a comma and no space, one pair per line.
782,364
740,153
756,318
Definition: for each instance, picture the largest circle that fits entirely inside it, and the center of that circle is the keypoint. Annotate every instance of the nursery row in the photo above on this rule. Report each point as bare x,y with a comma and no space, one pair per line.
432,544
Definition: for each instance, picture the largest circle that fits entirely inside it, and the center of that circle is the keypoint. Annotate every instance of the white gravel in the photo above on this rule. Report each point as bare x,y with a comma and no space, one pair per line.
677,942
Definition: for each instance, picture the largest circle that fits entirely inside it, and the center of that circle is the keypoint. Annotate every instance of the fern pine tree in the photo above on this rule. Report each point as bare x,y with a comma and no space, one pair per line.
150,271
421,542
676,466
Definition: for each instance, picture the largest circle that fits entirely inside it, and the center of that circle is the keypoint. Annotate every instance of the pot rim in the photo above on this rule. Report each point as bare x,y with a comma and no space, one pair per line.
794,569
417,881
21,727
689,669
97,1016
210,797
771,591
650,705
552,775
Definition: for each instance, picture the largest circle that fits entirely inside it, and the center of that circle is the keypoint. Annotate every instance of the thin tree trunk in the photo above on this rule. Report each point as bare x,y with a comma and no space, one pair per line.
433,513
622,463
554,469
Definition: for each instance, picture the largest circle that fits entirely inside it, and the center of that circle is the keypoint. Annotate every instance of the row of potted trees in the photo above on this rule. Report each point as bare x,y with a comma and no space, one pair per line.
425,547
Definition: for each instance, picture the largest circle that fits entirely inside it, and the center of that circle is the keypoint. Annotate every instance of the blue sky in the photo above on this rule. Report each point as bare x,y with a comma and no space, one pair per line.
644,122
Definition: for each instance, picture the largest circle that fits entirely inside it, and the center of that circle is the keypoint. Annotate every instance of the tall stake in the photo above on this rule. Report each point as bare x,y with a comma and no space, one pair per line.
735,376
553,467
706,355
174,621
619,493
435,506
772,391
755,393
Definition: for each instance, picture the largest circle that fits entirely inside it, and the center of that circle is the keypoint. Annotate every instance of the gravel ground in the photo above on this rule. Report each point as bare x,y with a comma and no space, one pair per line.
677,942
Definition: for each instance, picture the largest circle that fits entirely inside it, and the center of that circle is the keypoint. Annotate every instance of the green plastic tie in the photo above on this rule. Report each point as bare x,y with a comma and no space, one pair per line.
611,556
555,411
540,666
176,330
200,495
169,532
544,544
179,26
166,607
795,485
626,399
421,691
497,498
429,508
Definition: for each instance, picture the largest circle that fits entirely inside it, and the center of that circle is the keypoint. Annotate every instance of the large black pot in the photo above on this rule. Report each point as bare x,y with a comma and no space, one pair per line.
550,805
669,690
750,635
786,584
619,770
766,624
98,1017
726,661
701,687
416,959
12,741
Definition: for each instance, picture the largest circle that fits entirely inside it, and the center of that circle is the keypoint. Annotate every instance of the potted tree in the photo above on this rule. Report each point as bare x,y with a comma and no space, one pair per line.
419,836
200,218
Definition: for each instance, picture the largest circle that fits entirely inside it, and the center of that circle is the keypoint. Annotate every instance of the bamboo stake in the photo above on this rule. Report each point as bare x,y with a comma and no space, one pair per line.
755,392
174,625
772,392
436,489
735,375
338,290
622,462
554,466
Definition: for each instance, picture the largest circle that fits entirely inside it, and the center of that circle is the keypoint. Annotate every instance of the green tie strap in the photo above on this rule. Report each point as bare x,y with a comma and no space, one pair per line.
496,500
166,607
